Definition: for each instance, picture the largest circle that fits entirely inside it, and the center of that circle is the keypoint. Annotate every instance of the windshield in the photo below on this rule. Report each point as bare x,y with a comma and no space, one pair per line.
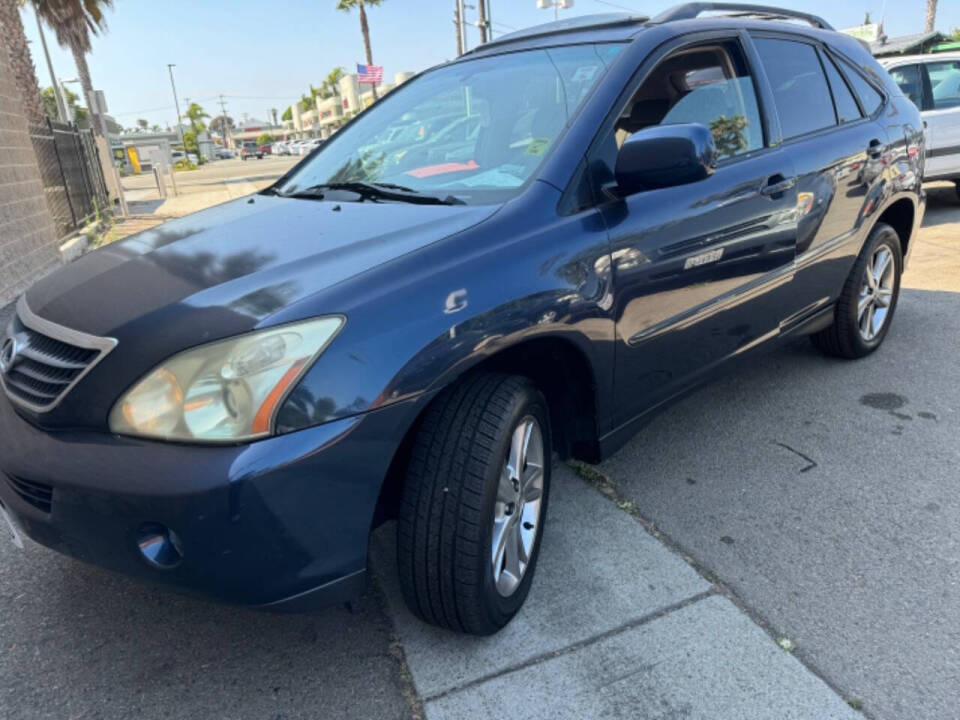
476,130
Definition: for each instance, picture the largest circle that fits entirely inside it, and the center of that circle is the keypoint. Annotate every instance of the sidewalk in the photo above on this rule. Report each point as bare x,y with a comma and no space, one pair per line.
616,625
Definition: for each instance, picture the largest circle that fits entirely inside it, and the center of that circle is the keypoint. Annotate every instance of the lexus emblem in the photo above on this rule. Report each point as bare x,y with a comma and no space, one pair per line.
8,355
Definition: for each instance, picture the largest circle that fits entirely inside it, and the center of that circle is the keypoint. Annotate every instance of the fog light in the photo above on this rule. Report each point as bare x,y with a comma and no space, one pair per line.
159,546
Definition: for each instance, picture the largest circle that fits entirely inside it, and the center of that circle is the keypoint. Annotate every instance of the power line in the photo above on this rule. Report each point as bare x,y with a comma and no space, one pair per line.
613,4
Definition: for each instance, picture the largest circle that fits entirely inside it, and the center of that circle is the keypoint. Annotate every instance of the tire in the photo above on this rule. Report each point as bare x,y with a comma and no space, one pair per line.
850,336
454,503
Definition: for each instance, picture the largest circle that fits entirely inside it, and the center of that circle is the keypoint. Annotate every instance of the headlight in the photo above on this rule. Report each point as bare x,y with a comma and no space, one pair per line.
225,391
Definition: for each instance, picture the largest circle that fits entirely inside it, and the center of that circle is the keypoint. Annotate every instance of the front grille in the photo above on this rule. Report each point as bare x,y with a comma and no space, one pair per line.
40,361
34,493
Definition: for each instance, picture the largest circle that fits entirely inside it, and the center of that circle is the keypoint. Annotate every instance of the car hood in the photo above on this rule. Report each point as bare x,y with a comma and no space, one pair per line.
244,259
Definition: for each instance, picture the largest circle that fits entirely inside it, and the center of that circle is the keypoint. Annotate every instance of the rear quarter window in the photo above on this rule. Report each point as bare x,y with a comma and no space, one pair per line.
870,97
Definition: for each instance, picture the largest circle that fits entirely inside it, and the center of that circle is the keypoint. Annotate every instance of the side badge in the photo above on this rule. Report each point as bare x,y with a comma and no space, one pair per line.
703,258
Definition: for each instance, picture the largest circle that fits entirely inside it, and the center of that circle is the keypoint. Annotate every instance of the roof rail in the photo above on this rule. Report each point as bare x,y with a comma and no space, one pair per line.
560,27
688,11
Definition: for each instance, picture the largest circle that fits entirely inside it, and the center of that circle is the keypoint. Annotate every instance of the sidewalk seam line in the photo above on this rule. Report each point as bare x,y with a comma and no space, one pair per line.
605,486
593,640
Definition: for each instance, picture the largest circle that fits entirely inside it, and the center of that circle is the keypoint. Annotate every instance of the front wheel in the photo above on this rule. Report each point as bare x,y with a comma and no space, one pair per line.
868,300
474,502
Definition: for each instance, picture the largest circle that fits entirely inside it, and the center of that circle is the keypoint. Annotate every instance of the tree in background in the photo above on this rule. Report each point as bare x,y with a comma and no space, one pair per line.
73,22
348,5
332,82
220,123
53,112
21,61
287,115
142,125
195,115
931,15
265,139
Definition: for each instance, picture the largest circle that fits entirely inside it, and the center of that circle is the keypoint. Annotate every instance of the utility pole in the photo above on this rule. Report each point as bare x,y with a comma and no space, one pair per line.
482,20
462,28
57,90
457,24
227,139
176,104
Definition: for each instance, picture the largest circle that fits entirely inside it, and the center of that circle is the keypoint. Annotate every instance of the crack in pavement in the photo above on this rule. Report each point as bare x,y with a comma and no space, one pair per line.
808,468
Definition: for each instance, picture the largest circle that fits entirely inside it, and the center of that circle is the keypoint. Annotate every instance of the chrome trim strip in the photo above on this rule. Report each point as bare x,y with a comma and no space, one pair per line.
66,335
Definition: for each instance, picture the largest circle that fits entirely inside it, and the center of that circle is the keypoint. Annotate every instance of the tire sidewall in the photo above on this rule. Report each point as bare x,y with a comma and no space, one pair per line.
881,235
498,608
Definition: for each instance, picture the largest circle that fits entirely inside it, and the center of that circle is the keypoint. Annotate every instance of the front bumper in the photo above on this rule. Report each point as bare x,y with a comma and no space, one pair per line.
282,523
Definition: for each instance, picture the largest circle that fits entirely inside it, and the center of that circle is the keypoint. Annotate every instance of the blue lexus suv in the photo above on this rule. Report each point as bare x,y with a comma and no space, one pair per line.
514,258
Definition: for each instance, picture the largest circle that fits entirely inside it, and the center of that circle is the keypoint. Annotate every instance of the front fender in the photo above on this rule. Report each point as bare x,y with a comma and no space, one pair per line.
416,324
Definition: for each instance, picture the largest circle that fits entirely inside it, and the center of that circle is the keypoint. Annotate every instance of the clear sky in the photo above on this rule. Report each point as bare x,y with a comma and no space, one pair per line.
263,55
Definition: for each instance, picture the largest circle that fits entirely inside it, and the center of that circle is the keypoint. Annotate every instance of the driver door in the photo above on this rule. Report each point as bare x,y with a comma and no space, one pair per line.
701,271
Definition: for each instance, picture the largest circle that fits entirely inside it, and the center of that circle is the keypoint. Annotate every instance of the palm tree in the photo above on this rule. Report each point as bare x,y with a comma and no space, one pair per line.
13,37
332,81
73,22
347,6
195,115
931,15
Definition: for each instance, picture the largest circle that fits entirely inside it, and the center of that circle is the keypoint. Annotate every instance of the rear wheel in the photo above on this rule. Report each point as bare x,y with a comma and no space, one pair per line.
474,503
866,305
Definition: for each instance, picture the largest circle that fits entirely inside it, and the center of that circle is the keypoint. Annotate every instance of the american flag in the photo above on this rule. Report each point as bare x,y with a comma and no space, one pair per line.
370,74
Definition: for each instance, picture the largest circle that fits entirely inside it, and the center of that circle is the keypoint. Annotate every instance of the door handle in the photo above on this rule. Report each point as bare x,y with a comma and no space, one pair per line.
875,149
777,185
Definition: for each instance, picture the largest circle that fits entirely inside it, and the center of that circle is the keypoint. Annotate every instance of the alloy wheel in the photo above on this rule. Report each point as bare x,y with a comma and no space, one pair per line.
516,512
876,293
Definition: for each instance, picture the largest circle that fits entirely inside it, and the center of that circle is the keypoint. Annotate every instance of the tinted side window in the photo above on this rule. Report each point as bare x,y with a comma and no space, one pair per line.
799,86
945,81
910,82
709,85
870,99
847,109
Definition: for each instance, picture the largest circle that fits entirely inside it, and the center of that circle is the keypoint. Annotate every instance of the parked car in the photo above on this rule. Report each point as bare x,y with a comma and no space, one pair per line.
249,150
225,154
266,149
279,148
310,145
644,205
932,82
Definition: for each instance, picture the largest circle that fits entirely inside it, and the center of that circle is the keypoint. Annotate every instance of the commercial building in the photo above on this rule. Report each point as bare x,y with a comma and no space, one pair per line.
328,114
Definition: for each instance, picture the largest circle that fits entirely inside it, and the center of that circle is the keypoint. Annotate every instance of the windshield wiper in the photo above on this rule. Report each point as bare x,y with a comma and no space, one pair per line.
375,191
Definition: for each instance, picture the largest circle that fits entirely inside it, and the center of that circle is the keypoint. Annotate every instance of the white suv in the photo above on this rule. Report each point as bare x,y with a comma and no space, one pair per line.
933,83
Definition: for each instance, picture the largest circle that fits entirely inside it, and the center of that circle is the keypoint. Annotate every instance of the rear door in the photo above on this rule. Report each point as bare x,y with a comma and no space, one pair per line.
838,147
700,270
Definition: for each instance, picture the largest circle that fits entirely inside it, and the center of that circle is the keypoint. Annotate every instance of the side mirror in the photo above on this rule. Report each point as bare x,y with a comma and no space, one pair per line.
665,156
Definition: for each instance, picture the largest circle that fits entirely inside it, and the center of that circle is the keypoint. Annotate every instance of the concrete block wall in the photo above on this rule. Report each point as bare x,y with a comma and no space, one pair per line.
28,239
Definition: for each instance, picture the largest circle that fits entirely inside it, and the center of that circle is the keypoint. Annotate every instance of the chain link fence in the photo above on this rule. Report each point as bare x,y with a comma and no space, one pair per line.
71,172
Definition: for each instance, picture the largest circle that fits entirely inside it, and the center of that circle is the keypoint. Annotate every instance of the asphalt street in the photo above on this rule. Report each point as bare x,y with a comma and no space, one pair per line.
818,495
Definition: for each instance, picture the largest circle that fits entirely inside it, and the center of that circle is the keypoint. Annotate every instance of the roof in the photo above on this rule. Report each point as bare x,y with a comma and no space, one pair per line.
926,57
601,21
623,26
905,43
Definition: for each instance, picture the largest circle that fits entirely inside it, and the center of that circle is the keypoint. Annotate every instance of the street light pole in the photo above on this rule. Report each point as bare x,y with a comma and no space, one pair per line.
57,90
176,104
